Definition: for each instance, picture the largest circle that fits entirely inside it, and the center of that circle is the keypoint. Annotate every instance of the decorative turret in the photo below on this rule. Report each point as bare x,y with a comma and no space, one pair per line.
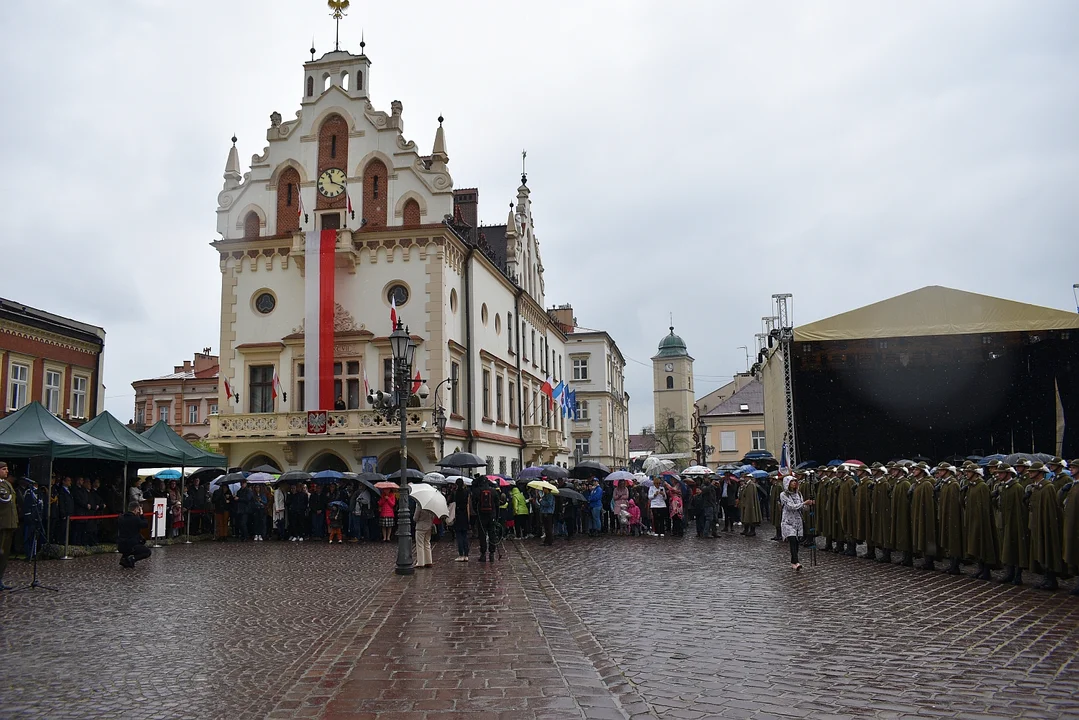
232,167
439,157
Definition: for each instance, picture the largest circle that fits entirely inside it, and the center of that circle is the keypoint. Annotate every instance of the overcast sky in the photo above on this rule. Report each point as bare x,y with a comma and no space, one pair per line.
685,157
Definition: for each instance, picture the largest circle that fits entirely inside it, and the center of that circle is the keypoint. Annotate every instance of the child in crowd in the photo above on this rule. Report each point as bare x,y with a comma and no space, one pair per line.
337,521
634,512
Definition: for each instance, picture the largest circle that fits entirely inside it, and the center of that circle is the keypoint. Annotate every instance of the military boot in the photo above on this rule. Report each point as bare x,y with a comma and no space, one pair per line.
870,552
828,545
1009,574
953,567
852,549
886,556
1018,580
983,572
908,559
1050,581
928,564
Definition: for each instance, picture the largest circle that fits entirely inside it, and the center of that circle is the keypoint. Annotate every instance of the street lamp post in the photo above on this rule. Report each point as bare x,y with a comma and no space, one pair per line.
700,437
440,423
403,351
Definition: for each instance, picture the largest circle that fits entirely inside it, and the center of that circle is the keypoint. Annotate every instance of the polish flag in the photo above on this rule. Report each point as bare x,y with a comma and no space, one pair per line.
348,202
228,389
299,204
393,313
276,383
548,390
318,319
366,386
416,383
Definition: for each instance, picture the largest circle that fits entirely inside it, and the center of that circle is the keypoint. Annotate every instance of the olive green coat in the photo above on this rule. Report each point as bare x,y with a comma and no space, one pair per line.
982,544
9,515
1014,519
749,503
882,513
950,510
773,501
863,511
1071,529
923,519
1046,550
825,506
899,538
845,510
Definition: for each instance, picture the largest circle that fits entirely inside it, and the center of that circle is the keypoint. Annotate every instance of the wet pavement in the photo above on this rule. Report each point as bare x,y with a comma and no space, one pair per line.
607,628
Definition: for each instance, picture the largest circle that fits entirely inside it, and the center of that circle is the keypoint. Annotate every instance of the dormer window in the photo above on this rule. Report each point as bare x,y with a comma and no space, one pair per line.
743,408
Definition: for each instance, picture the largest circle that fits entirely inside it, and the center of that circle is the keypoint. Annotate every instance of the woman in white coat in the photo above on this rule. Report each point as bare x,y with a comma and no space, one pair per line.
791,524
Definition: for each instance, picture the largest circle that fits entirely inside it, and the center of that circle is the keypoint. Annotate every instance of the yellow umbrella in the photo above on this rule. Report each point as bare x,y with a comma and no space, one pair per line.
543,485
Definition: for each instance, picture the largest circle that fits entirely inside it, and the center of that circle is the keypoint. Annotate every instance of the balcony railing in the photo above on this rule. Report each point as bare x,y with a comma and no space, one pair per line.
342,423
535,436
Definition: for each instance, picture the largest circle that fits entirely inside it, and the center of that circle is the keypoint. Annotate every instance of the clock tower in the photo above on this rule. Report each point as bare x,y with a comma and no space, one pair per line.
672,383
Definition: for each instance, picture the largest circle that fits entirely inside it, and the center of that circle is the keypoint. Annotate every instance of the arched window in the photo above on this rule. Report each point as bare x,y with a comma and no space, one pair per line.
411,212
374,193
310,86
344,81
670,423
359,80
670,382
251,225
326,82
288,201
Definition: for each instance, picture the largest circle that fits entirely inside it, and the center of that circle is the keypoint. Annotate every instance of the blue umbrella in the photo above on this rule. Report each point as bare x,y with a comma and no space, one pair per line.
807,464
325,477
990,458
168,474
835,463
756,455
530,473
758,474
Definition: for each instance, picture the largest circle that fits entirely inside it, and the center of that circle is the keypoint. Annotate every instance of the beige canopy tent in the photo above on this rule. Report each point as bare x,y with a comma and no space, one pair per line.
936,310
925,313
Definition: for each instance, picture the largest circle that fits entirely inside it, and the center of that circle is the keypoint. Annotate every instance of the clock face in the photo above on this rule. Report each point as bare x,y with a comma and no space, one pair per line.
331,183
669,367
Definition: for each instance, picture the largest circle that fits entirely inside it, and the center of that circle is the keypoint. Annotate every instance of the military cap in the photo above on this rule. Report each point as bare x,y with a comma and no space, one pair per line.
1003,467
1023,462
1073,463
1038,467
993,464
1055,461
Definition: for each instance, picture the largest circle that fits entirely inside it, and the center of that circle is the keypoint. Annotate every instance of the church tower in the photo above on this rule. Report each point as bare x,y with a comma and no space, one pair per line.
672,383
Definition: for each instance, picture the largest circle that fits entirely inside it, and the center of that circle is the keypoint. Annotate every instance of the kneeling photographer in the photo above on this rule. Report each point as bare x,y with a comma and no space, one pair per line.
129,540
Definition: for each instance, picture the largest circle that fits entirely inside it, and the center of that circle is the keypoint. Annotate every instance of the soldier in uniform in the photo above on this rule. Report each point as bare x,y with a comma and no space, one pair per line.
923,515
1045,548
826,508
950,509
982,544
1069,495
1008,495
863,511
899,525
845,489
775,508
881,504
1060,477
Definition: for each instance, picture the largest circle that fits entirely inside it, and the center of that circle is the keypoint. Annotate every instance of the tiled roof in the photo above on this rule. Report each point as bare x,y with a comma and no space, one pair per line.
751,395
642,443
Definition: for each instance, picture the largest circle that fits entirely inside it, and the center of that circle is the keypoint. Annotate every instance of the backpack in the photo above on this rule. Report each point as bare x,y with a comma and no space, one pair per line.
487,502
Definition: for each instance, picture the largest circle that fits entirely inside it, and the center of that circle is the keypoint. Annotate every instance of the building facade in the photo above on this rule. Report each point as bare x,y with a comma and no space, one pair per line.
52,360
186,398
735,425
672,385
405,240
596,373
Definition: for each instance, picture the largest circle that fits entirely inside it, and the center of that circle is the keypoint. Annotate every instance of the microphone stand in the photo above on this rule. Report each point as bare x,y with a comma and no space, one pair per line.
34,582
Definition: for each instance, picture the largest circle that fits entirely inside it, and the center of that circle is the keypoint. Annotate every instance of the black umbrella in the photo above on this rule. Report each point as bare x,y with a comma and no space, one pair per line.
372,477
410,474
556,472
266,469
571,494
589,469
462,460
294,476
232,477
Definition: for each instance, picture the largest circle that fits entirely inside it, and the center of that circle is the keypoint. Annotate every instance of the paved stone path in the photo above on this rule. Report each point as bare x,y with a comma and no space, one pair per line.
608,628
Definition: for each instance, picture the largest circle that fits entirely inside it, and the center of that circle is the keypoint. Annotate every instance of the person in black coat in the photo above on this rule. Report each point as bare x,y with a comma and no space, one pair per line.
129,538
65,506
316,506
245,503
297,513
80,494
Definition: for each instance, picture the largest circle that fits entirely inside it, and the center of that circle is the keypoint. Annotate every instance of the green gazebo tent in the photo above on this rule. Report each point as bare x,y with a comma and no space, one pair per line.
162,434
140,450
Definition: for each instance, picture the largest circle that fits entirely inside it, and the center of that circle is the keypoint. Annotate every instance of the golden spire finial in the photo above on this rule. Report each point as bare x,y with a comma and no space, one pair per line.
338,7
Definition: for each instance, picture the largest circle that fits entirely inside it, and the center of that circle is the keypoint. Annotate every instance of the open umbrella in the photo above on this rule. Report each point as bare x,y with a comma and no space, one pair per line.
654,465
452,480
806,465
462,460
260,478
589,469
543,485
293,476
556,472
339,503
571,494
757,455
619,475
530,473
429,498
434,478
232,477
326,477
168,474
410,474
758,474
387,485
990,458
266,469
696,470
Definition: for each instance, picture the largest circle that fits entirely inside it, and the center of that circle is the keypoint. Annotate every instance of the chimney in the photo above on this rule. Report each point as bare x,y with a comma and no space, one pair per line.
187,366
205,361
563,316
466,205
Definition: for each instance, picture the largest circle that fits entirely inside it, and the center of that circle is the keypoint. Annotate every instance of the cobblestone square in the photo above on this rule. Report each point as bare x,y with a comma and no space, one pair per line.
606,628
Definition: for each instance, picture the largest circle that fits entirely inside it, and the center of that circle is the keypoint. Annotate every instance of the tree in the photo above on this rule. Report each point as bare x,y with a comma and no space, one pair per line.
672,437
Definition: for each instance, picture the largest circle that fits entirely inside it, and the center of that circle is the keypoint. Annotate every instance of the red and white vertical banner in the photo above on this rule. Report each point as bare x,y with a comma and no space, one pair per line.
318,319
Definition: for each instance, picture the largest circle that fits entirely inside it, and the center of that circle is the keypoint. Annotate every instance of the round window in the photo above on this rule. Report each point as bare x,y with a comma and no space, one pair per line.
397,294
265,303
483,314
453,300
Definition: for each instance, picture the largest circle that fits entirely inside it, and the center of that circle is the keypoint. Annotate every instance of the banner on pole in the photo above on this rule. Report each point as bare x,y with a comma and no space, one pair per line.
157,529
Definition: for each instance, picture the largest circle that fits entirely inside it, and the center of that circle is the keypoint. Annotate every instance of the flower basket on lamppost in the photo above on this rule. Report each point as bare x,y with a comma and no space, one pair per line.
394,406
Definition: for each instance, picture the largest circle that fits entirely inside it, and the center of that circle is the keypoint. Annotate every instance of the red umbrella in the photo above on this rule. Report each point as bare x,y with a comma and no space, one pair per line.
858,463
387,485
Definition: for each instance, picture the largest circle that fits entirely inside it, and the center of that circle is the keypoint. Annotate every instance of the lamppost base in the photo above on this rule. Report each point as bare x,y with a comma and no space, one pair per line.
404,570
